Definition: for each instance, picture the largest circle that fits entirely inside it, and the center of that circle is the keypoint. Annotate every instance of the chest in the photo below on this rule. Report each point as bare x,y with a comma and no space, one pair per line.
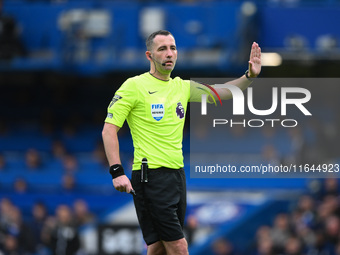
161,105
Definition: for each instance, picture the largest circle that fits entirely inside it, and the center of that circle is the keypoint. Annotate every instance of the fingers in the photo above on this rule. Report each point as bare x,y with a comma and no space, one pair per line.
122,184
255,60
128,188
123,188
120,188
252,51
255,51
258,52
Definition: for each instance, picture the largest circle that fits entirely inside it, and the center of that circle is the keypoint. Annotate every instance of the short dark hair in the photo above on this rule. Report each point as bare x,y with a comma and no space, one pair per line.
149,41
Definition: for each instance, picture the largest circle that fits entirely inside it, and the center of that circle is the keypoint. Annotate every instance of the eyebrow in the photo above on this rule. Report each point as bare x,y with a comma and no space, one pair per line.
162,46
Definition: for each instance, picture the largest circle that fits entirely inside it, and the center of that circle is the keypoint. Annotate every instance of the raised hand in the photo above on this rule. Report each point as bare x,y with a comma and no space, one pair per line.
254,60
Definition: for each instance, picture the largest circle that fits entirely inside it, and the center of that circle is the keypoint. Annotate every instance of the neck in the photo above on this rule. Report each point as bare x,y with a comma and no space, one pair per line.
162,76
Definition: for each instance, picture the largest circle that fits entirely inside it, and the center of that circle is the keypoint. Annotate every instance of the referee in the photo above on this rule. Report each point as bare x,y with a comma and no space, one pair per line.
154,106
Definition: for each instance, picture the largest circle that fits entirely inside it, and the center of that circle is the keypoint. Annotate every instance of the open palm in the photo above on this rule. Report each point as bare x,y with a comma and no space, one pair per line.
254,60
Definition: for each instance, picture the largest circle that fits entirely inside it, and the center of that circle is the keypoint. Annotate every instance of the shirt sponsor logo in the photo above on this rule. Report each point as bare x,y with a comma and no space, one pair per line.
115,99
180,110
157,111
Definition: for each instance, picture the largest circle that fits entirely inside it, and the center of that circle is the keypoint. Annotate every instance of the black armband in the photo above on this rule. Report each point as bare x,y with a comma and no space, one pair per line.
116,170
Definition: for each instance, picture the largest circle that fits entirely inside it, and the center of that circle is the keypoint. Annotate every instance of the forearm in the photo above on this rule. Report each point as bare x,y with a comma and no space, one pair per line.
111,143
241,83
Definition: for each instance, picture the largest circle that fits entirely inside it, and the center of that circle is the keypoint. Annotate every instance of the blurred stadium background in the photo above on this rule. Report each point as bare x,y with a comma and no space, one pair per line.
60,64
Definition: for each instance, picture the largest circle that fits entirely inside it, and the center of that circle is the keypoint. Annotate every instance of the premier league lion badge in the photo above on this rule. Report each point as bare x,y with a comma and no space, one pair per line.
180,110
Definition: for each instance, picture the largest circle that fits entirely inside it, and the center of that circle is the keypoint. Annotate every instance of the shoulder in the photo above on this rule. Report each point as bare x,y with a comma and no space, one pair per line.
141,77
132,81
180,81
183,86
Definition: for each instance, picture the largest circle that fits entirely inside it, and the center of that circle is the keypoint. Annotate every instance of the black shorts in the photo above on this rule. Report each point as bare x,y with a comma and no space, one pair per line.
160,204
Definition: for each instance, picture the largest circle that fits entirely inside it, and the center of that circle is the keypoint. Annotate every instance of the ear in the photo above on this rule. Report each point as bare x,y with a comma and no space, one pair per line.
148,55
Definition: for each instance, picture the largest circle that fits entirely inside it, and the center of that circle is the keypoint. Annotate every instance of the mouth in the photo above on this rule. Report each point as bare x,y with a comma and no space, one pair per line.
169,62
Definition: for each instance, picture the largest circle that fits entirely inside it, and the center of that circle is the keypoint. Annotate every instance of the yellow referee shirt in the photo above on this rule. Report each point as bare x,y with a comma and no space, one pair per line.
155,112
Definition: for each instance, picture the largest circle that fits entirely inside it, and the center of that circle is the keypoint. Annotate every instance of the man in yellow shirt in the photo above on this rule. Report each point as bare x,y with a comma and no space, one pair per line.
154,106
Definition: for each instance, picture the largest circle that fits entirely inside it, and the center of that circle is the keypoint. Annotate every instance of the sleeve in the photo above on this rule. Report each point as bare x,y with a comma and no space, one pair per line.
122,103
197,90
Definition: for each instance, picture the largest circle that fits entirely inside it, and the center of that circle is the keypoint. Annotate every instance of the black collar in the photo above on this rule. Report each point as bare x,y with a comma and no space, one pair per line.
158,78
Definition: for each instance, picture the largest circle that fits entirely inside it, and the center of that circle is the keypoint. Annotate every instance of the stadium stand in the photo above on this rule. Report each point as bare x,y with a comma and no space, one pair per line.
57,82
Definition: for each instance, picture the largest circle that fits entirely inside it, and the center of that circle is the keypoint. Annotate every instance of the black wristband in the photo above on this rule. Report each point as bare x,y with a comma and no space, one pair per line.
116,170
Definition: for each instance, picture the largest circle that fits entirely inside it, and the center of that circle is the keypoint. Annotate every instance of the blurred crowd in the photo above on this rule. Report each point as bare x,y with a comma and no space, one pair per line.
37,161
11,44
311,227
42,233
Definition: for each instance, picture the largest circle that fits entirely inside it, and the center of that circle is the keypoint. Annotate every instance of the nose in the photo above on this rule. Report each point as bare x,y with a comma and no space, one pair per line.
169,53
